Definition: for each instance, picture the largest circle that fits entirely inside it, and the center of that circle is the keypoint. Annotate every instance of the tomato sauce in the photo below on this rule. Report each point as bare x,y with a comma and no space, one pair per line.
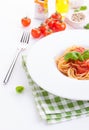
80,66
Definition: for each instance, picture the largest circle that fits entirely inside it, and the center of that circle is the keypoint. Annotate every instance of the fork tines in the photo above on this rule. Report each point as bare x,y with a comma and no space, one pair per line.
25,37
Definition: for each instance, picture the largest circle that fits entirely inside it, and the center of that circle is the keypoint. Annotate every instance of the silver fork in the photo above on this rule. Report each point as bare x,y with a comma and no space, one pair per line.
23,44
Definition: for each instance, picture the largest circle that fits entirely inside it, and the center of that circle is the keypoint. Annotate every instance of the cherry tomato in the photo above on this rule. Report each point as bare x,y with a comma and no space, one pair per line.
26,21
43,27
51,23
47,32
47,20
36,33
63,26
56,16
59,26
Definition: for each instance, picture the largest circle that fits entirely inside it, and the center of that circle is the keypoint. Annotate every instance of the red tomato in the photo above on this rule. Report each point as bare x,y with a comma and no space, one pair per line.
63,26
47,20
48,32
26,21
56,16
36,33
43,27
59,26
51,23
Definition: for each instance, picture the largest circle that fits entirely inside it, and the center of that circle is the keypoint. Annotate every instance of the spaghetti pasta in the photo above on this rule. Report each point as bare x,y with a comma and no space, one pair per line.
75,67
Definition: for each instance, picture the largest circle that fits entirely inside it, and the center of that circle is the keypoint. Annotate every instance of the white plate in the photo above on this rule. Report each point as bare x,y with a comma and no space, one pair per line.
42,68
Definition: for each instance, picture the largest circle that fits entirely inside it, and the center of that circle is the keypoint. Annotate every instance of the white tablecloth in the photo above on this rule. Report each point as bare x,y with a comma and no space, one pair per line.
18,111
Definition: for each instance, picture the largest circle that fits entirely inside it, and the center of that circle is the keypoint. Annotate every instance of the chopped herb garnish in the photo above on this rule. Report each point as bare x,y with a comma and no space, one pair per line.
19,89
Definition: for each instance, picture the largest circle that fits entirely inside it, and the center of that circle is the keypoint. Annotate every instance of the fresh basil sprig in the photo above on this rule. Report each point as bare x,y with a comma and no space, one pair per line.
77,56
72,56
82,8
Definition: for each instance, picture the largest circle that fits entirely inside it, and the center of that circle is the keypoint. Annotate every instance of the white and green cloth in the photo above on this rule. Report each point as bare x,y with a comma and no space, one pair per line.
53,108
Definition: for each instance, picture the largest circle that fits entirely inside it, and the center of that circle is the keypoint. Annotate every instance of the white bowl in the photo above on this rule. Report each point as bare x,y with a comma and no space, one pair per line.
77,24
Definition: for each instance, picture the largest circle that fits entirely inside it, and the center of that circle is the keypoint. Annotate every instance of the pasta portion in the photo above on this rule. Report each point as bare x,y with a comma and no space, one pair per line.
74,63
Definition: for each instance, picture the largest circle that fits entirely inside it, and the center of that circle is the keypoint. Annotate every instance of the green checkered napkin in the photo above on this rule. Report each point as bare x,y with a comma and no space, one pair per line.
53,108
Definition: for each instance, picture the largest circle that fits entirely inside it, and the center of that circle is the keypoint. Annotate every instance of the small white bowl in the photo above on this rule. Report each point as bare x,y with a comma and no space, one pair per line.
76,19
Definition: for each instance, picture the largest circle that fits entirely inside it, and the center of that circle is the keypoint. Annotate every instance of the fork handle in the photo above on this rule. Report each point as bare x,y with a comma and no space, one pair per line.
9,72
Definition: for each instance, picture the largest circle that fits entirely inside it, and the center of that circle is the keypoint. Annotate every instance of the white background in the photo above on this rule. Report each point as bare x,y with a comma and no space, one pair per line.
18,111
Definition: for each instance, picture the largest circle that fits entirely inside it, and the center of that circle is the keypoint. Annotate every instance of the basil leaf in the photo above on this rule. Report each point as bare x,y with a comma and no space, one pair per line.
77,56
86,26
19,89
71,56
83,7
80,57
86,54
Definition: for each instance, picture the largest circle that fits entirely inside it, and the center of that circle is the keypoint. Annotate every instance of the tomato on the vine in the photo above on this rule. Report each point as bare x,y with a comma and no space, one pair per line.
52,24
56,16
47,32
47,20
26,21
36,33
63,26
59,26
43,27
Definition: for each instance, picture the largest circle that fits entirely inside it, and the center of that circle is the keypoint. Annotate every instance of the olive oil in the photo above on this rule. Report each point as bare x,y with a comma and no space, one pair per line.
62,6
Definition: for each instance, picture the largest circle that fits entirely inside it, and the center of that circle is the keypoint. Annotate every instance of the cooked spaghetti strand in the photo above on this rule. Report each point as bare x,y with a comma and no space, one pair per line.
73,68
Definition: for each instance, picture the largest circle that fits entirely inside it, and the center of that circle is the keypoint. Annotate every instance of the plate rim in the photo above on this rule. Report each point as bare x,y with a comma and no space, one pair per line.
47,89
